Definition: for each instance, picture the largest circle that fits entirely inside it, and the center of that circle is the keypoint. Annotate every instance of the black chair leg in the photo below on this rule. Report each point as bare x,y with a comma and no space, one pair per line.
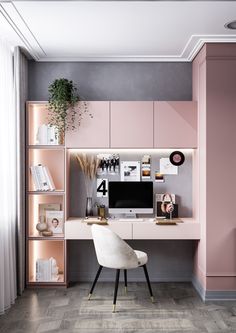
125,278
148,282
116,289
95,281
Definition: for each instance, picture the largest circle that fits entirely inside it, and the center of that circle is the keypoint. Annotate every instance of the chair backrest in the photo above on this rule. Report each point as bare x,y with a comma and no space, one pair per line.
111,250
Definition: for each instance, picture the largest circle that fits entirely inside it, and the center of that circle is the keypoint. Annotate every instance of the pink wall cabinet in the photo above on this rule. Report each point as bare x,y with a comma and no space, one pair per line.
93,132
175,124
131,124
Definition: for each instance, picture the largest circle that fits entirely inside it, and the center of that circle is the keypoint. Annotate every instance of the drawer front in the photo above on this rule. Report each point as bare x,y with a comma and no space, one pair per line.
78,230
178,231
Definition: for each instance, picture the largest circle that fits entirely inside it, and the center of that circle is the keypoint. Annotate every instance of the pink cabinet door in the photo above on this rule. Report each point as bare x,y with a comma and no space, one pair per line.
93,132
132,124
175,124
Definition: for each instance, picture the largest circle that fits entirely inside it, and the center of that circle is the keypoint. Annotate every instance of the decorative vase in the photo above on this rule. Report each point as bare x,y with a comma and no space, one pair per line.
41,226
89,207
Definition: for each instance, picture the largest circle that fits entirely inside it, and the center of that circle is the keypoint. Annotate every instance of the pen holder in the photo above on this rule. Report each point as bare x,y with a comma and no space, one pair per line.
101,211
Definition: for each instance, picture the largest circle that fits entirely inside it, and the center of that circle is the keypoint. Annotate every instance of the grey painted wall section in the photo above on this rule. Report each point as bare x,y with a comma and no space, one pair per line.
115,81
168,260
180,184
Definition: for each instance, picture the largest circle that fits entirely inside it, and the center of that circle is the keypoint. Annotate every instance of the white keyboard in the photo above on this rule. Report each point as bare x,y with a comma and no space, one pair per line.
131,220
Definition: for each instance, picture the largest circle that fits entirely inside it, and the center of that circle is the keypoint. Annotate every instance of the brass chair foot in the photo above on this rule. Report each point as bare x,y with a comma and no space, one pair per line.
125,290
89,296
152,299
114,308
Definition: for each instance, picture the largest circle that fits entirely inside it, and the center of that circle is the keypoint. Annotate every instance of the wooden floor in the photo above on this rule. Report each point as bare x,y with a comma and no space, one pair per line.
177,308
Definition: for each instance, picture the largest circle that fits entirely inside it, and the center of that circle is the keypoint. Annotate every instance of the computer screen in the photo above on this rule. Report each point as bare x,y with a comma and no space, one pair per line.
130,197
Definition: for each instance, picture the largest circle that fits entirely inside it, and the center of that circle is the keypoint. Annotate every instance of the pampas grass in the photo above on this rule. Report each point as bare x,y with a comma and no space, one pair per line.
89,165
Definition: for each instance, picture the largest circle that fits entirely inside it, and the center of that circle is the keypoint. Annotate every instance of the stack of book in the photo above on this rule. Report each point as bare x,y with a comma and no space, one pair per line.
46,270
47,135
42,178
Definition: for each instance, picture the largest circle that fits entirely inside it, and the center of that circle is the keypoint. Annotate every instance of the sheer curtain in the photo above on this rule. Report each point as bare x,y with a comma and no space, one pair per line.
8,186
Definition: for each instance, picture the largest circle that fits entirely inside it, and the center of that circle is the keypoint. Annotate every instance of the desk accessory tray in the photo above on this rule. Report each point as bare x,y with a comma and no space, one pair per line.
95,220
168,221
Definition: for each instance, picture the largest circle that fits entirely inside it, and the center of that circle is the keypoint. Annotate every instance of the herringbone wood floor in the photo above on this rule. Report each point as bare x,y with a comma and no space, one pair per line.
177,308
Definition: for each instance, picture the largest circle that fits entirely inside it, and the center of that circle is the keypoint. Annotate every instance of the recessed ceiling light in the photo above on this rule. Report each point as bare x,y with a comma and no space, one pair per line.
231,25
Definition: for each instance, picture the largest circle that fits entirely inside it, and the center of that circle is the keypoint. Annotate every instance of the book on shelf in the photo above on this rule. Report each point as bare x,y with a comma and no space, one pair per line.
47,135
42,178
46,270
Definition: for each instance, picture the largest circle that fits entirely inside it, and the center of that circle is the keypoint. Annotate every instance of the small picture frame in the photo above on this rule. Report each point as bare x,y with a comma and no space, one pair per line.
55,221
130,171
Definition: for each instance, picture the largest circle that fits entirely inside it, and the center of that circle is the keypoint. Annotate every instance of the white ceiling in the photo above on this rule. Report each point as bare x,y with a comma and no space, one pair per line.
115,30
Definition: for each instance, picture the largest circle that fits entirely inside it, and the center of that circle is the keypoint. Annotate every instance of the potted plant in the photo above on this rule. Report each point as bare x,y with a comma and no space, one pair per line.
65,113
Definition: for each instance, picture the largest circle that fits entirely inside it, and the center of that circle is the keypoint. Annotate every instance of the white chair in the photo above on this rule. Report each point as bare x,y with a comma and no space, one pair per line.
113,252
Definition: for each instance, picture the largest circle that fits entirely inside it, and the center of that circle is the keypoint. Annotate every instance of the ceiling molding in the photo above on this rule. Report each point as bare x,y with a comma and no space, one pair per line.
32,45
189,52
18,24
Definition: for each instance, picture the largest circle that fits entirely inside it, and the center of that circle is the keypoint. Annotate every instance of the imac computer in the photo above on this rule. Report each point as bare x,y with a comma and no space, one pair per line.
130,198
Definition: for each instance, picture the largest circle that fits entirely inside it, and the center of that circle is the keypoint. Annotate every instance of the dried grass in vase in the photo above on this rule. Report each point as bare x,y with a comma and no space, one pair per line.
89,165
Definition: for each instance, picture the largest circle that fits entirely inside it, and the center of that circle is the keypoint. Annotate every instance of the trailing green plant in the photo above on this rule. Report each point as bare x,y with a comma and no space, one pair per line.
65,108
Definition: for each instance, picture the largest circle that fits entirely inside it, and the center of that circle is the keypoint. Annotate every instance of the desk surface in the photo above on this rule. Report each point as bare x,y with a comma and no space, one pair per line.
136,229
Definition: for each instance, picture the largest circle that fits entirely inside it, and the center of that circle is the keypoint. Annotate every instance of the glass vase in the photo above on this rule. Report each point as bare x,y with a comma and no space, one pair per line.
89,207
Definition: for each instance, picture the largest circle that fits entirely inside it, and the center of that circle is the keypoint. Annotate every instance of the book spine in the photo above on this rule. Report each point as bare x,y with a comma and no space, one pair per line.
49,178
35,178
43,180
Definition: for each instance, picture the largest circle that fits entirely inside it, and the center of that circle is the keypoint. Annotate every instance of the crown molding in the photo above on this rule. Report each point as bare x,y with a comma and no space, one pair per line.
32,45
18,24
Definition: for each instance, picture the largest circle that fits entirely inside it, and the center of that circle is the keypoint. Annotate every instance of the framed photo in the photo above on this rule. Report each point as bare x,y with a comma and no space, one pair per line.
130,171
55,221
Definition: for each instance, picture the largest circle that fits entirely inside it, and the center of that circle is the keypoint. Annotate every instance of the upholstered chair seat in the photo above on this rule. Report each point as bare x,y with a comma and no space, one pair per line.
113,252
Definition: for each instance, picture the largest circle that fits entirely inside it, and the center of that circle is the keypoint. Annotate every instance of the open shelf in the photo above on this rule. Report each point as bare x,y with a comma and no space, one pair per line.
33,210
45,249
62,147
53,159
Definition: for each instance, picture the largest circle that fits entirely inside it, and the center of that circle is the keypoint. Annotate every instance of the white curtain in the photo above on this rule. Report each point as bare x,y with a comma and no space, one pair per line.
8,186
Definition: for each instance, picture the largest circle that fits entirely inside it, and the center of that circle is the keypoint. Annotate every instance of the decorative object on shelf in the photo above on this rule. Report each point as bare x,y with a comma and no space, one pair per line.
146,167
41,226
47,233
177,158
47,207
130,171
167,168
159,177
89,165
55,221
109,164
65,113
46,270
102,187
47,135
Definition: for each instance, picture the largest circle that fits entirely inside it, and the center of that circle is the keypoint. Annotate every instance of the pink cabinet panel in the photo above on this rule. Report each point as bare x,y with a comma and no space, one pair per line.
93,132
175,124
132,124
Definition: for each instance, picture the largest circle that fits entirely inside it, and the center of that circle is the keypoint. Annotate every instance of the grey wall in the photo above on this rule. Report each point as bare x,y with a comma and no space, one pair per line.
168,260
180,184
115,81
